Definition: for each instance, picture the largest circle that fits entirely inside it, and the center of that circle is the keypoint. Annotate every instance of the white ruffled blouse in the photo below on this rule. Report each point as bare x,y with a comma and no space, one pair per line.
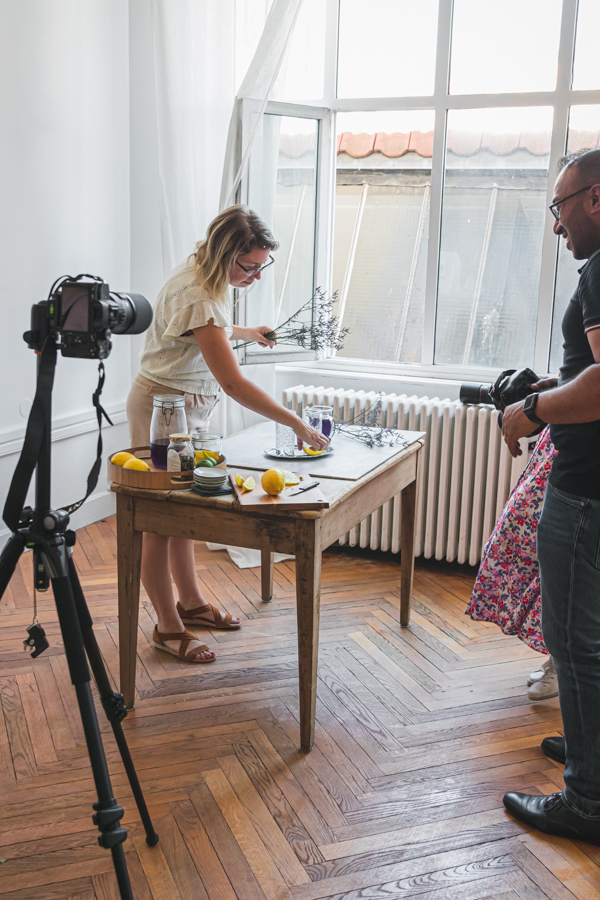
172,357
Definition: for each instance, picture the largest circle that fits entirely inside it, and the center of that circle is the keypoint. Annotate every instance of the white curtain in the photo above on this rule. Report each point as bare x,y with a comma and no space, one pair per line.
197,46
194,66
258,85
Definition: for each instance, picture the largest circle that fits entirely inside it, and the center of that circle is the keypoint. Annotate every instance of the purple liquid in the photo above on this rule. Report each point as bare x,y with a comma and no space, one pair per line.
323,425
158,453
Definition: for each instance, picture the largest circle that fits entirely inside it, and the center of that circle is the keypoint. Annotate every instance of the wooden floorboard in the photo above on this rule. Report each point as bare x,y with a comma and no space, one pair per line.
420,731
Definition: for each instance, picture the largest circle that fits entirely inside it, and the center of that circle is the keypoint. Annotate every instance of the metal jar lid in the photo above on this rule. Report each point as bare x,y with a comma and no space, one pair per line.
169,401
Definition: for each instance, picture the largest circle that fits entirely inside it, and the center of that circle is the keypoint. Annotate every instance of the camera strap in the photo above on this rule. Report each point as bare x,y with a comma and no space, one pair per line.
92,480
35,434
34,437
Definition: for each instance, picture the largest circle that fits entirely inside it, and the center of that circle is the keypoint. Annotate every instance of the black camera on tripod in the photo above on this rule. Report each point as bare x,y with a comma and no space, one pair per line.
78,318
511,386
85,314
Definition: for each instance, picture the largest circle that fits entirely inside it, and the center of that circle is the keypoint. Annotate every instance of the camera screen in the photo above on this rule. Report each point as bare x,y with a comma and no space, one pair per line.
75,308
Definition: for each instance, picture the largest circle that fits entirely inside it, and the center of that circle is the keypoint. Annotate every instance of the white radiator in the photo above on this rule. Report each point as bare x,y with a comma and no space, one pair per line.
465,473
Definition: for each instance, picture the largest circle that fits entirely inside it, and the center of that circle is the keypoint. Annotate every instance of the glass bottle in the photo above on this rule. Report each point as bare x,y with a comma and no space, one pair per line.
180,454
168,417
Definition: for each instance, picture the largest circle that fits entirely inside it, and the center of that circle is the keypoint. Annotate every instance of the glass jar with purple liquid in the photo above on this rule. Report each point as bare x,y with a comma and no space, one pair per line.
168,417
321,418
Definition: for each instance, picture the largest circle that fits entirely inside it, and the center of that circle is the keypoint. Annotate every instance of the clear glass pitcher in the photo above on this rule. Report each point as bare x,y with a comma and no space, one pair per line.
168,417
321,418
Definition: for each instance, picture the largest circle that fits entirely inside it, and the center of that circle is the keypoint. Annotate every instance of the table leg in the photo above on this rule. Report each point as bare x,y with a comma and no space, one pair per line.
308,598
407,549
266,575
129,563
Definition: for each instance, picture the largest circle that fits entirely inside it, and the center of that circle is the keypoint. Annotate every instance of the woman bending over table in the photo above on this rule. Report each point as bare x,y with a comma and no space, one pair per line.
187,352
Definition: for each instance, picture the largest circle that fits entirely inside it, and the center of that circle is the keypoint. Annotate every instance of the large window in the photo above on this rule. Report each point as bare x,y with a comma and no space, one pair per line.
420,192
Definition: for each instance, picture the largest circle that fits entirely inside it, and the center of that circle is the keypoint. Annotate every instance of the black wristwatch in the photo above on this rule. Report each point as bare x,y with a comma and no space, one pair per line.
529,409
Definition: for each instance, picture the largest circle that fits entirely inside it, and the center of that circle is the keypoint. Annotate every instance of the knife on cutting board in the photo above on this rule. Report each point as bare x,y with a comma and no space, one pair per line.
305,487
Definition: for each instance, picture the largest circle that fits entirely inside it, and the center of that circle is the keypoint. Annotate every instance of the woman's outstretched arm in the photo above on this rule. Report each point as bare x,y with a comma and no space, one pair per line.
222,362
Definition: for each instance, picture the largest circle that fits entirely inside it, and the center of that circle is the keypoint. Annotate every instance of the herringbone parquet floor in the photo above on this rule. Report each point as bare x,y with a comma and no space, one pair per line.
420,732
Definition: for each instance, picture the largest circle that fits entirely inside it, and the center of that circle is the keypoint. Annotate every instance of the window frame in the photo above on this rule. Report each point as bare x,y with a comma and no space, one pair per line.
441,102
323,231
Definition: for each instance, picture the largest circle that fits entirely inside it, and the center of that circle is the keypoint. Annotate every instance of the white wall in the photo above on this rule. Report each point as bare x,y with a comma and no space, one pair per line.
64,160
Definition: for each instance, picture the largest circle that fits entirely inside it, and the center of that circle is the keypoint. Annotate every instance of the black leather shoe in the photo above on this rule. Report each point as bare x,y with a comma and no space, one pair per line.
549,813
555,748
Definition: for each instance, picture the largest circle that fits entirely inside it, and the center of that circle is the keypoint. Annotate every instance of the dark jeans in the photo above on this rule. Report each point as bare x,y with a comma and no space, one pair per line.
568,549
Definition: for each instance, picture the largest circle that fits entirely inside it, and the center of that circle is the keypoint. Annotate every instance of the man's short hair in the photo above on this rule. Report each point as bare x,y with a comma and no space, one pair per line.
586,162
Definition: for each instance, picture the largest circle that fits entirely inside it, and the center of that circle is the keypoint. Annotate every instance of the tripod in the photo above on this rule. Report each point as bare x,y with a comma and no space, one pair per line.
45,531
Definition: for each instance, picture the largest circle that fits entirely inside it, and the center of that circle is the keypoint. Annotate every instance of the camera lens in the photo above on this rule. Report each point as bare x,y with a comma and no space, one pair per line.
475,393
134,313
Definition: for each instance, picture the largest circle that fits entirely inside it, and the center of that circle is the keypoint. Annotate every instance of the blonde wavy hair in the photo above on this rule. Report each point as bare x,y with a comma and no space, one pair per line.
235,232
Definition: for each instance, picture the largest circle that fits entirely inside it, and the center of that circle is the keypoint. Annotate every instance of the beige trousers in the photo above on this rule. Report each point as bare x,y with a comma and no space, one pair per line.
198,409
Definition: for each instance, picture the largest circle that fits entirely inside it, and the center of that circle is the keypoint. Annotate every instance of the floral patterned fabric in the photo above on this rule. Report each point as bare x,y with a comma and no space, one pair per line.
507,589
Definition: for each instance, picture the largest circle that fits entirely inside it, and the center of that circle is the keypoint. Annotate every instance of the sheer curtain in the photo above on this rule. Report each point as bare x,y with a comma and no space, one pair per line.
258,86
198,47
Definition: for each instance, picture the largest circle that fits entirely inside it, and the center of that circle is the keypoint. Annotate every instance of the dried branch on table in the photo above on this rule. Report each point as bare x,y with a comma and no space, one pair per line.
368,428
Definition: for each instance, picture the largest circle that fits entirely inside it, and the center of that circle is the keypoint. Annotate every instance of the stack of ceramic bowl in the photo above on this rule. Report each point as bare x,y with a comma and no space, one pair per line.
210,481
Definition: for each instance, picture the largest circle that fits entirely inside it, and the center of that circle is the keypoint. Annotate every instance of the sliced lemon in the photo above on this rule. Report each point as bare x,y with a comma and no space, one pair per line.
198,455
249,483
312,452
212,453
239,480
290,478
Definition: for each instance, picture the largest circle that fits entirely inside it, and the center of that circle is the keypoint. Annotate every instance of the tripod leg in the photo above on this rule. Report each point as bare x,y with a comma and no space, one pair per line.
112,702
108,812
9,558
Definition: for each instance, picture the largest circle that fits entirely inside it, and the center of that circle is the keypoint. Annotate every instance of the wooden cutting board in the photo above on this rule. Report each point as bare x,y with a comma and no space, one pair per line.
258,499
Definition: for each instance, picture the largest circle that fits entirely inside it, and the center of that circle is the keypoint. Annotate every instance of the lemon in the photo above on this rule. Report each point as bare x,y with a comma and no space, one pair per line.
249,484
119,459
135,463
205,454
239,479
312,452
273,481
290,478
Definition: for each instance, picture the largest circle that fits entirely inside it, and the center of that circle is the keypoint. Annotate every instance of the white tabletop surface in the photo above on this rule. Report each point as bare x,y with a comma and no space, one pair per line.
350,460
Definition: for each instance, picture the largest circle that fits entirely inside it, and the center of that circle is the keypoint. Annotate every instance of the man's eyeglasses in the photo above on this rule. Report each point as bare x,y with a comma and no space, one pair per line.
554,206
260,268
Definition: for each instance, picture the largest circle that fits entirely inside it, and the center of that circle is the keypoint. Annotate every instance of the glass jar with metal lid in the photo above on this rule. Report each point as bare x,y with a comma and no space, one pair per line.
180,454
168,417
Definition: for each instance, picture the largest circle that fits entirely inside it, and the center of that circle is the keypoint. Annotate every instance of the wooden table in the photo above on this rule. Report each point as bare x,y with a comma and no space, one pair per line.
356,481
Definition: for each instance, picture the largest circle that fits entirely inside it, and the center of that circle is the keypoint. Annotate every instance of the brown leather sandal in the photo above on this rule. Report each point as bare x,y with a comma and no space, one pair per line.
186,638
198,616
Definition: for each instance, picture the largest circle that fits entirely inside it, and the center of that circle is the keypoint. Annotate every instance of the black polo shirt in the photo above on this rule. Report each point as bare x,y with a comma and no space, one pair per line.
576,467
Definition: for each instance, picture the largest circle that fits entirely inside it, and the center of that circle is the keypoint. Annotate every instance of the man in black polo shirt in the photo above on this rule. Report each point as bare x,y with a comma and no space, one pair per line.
568,535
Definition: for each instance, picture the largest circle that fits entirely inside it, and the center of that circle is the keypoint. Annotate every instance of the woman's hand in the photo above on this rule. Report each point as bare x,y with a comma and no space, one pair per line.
258,334
309,435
